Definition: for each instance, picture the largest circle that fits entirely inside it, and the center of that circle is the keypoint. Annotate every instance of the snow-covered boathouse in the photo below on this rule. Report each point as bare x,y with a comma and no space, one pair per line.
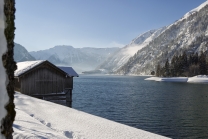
44,80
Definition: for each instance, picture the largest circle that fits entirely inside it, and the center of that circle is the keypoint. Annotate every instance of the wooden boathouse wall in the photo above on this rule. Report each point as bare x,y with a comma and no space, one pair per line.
45,80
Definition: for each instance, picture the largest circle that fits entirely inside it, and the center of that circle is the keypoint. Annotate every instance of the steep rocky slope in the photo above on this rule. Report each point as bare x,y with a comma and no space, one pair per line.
119,58
21,54
189,34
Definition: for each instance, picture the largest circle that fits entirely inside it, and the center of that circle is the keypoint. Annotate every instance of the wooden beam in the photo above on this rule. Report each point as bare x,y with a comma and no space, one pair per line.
43,95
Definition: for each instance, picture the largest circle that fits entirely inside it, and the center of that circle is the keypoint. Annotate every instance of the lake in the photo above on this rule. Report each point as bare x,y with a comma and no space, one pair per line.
176,110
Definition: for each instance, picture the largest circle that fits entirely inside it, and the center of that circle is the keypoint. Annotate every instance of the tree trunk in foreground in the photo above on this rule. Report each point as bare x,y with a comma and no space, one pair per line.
10,66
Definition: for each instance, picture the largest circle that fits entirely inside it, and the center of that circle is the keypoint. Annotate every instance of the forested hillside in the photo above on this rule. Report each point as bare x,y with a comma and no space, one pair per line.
189,34
184,65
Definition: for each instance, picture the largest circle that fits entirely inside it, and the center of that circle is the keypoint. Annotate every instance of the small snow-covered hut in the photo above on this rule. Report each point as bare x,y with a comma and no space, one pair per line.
42,79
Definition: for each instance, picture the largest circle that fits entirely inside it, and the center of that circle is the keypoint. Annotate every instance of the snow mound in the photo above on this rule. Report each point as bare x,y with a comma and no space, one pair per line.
195,79
41,119
198,79
170,79
153,79
23,67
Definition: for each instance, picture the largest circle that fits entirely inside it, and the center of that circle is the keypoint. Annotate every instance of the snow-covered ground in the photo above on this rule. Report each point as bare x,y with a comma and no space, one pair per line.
41,119
198,79
195,79
197,9
153,78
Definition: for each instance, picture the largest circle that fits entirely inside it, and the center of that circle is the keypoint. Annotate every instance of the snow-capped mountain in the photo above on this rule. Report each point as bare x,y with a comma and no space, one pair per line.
81,59
21,54
189,34
119,58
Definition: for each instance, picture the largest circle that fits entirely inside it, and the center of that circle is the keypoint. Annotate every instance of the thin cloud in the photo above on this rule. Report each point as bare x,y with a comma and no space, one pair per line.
116,44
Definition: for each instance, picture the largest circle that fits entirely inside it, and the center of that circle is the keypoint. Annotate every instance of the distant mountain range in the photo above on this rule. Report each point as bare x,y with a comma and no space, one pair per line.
21,54
81,59
140,56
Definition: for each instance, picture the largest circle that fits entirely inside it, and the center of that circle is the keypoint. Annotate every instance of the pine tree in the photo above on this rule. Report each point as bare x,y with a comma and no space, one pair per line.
202,64
180,66
173,67
185,64
195,58
167,69
176,66
191,59
158,70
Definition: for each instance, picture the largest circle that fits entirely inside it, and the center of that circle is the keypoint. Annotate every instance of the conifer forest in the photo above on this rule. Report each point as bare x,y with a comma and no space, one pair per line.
184,65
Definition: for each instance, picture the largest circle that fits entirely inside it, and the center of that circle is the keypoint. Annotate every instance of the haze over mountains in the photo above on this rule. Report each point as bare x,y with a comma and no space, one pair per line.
81,59
116,61
141,55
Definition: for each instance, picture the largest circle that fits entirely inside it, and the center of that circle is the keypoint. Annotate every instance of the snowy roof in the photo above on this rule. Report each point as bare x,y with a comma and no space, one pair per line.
70,71
23,67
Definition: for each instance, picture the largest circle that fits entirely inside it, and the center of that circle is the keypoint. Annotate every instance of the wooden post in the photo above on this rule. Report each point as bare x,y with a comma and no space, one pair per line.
68,92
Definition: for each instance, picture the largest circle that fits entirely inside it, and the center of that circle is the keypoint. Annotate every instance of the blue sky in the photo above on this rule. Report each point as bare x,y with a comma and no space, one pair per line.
42,24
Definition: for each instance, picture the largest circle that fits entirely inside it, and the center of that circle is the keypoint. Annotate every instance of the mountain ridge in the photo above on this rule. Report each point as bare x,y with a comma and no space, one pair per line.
119,58
190,34
21,54
81,59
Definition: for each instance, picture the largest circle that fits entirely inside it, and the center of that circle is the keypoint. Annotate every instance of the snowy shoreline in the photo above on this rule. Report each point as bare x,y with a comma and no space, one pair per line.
42,119
195,79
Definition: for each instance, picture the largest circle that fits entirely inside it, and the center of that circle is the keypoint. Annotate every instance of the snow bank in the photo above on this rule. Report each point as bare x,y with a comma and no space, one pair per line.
198,79
41,119
171,79
153,78
3,77
195,79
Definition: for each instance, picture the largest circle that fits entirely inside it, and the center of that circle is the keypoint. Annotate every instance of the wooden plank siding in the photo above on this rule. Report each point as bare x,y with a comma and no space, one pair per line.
68,83
44,80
